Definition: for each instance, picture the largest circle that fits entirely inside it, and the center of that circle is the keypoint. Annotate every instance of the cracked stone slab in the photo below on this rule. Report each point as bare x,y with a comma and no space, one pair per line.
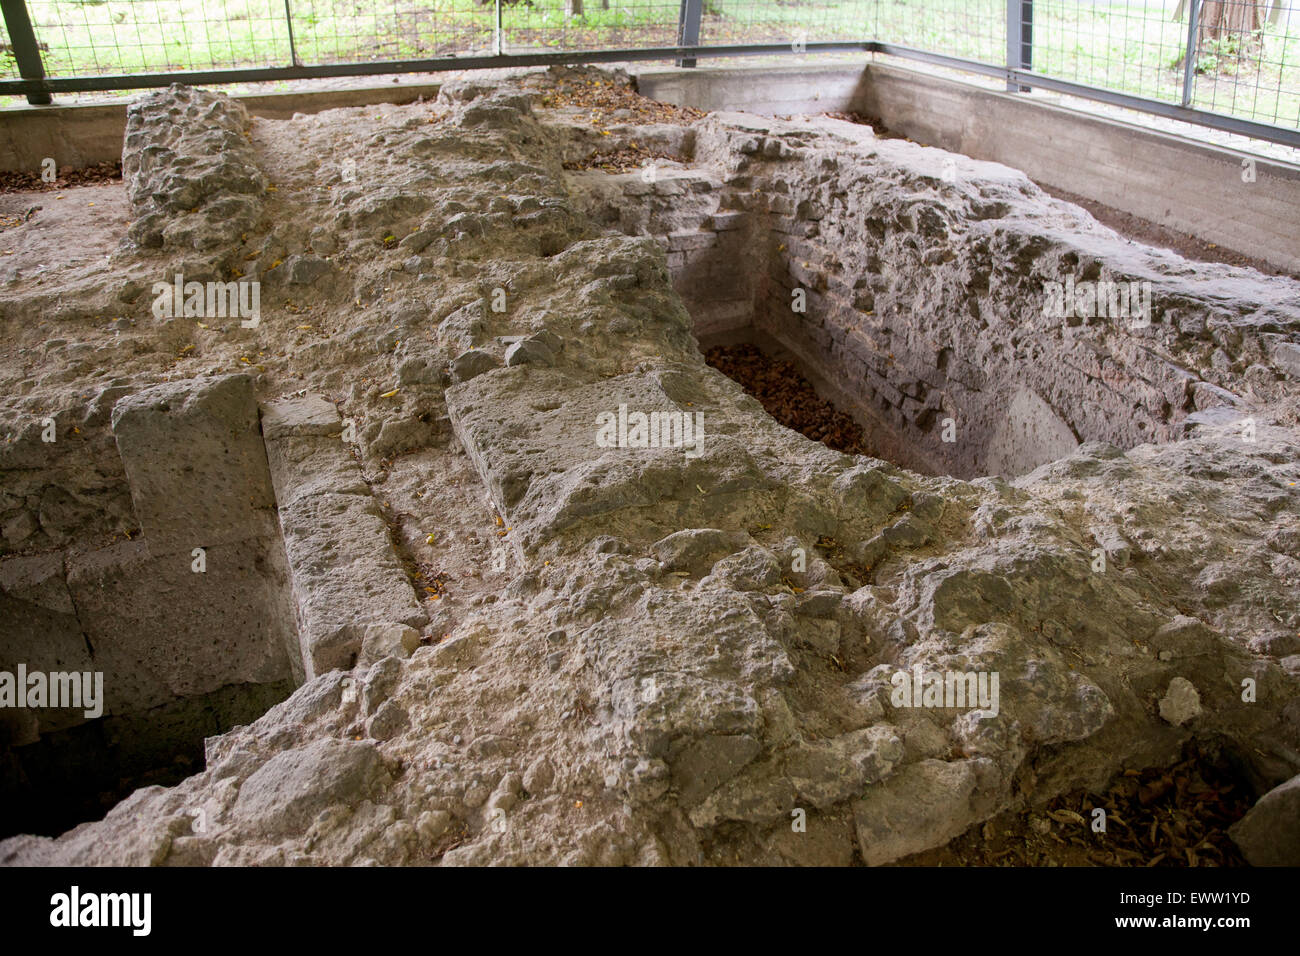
195,461
346,576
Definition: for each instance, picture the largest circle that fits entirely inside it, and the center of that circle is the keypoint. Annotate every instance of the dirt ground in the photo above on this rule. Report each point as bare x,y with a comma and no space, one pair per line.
1176,817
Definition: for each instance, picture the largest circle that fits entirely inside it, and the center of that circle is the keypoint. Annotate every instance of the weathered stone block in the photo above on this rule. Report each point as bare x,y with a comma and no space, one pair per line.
195,461
345,576
160,629
305,450
41,630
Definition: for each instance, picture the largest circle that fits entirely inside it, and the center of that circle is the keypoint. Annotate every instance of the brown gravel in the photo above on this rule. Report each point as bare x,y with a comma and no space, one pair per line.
626,159
605,97
14,182
788,397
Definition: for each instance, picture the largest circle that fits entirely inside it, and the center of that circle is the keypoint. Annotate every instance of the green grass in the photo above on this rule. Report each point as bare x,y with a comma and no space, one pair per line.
1127,46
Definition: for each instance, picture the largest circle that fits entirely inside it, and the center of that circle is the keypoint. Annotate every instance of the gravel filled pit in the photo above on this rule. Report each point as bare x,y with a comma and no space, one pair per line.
788,397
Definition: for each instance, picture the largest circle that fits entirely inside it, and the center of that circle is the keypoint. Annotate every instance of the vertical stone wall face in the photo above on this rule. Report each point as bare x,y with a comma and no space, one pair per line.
192,604
712,251
61,478
926,304
184,624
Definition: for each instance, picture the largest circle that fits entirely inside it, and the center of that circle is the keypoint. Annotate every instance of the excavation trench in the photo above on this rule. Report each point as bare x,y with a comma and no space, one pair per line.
920,338
893,387
220,597
168,606
982,374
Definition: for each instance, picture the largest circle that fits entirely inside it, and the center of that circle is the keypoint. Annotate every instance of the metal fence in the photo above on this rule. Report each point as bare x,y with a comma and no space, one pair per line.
1229,64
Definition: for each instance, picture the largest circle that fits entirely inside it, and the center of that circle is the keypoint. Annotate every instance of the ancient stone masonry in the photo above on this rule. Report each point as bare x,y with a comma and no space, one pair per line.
190,171
631,651
155,614
346,577
923,292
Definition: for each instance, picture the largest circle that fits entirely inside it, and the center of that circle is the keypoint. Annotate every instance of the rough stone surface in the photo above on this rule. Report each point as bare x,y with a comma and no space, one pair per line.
345,576
191,174
1181,702
195,461
1269,833
675,650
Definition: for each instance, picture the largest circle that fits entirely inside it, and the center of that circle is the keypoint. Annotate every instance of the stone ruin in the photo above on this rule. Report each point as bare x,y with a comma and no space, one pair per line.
363,555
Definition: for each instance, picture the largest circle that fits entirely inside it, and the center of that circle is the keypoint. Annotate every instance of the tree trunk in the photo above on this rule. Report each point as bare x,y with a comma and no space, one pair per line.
1220,18
572,8
1222,21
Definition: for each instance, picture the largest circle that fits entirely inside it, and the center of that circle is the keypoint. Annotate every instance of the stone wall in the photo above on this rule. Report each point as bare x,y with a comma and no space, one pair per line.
191,605
922,308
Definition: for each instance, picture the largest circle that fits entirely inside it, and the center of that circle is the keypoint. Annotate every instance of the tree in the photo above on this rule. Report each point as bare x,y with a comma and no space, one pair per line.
1229,29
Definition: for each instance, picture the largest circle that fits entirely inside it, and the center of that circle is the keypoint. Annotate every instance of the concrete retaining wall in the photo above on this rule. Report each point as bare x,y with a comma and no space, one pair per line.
81,135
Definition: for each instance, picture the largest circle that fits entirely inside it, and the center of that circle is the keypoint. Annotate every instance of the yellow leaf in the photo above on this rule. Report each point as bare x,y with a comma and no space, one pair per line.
390,394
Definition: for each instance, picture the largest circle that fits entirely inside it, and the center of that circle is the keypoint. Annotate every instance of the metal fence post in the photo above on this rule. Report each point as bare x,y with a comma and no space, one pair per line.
27,54
688,28
288,22
498,41
1189,56
1020,40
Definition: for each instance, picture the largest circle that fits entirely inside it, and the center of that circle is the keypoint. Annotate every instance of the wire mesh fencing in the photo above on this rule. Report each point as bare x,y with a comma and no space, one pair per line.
544,26
1246,60
792,24
1234,58
157,36
1237,57
971,29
